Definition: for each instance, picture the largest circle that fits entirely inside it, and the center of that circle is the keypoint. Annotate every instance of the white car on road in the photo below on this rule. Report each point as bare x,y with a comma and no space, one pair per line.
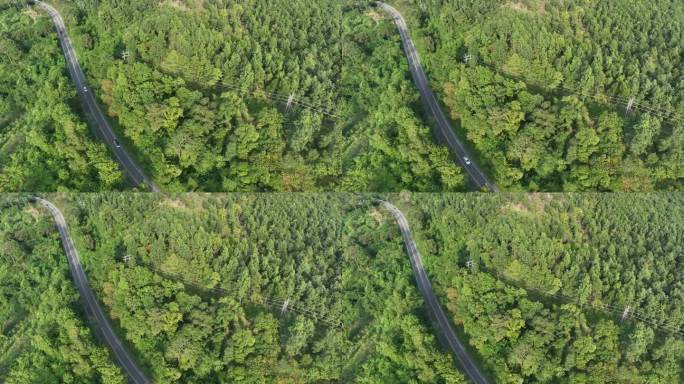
467,160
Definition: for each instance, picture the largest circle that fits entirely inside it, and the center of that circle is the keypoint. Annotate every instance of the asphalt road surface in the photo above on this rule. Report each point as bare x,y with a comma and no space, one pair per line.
445,132
133,171
436,311
92,307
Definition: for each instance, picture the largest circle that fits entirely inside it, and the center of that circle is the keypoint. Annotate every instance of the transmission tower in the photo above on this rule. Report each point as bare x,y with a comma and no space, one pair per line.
284,308
630,105
290,100
625,313
124,55
467,58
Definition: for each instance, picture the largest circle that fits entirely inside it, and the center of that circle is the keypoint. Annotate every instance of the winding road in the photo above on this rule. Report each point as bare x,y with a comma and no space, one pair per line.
136,376
138,177
436,311
93,309
445,132
134,173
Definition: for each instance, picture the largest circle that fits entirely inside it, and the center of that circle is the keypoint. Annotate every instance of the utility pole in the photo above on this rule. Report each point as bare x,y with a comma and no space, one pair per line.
625,313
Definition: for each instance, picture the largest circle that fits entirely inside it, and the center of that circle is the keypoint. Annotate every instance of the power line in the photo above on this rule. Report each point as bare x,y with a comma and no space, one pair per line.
672,326
289,100
632,104
275,302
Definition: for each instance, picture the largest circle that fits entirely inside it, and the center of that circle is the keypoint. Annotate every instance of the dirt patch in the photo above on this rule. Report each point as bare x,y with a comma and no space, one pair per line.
32,13
173,203
375,15
515,207
33,211
190,202
534,204
540,200
377,215
528,6
178,4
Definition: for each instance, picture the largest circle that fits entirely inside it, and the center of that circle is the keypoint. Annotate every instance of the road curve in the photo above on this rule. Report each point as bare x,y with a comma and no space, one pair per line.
92,307
133,171
445,132
436,311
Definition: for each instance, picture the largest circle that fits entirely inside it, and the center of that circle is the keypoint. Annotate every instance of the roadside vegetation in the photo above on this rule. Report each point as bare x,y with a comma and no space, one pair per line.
44,144
44,337
290,95
562,288
197,285
540,88
260,95
552,277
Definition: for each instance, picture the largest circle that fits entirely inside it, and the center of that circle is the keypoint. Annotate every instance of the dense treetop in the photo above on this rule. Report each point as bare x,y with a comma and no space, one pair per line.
552,276
197,284
302,96
200,91
544,91
43,335
201,295
44,145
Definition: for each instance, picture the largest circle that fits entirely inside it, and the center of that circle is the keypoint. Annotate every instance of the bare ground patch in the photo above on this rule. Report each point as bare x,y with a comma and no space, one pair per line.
375,15
377,215
534,204
527,6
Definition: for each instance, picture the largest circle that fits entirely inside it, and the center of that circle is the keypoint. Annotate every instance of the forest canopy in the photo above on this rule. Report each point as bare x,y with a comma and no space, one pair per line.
541,88
44,337
259,95
197,284
561,288
44,144
311,96
542,287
